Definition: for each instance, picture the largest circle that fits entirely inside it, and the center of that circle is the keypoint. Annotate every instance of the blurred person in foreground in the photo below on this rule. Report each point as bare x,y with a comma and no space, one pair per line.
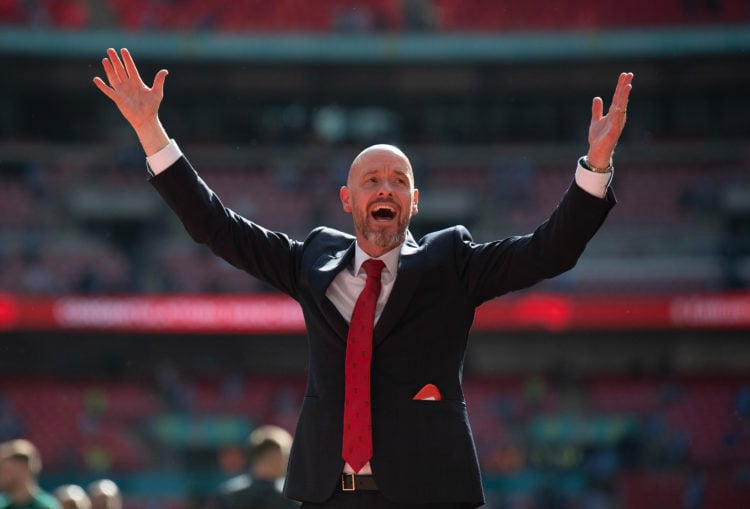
104,494
383,423
261,488
72,496
20,464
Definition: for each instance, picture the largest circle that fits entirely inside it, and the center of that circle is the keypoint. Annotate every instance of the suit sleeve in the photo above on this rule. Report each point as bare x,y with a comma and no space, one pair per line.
270,256
495,268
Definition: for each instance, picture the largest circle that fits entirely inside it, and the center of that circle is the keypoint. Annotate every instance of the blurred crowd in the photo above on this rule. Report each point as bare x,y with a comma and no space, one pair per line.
544,441
82,222
20,466
363,15
76,224
88,229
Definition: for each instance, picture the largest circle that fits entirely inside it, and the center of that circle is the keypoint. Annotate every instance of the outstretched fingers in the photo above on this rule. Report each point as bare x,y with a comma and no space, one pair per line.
104,88
130,67
138,104
158,85
112,77
605,130
116,64
597,109
622,92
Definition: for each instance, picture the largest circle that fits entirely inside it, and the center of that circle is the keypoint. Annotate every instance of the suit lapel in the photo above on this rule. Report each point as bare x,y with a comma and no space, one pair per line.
402,292
326,267
324,270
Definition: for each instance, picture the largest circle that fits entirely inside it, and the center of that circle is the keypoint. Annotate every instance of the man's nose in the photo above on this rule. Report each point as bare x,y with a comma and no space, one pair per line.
385,189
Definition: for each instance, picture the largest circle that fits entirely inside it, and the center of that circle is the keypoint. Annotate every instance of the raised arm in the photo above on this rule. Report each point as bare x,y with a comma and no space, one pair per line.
138,103
518,262
270,256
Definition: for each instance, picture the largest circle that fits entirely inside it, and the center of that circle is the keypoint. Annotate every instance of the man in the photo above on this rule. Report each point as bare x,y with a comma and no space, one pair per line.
383,422
72,496
20,464
269,454
104,494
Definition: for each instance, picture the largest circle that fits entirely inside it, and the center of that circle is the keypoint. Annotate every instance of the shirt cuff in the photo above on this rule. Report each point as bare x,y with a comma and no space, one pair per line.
164,158
595,184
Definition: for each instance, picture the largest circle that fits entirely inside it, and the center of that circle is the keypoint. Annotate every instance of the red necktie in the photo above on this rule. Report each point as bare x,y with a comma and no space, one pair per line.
357,442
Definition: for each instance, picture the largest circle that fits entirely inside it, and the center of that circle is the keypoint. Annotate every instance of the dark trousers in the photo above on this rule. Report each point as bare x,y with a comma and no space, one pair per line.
373,500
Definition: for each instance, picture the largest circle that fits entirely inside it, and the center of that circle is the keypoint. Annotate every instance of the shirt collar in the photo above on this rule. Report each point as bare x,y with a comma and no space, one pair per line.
390,258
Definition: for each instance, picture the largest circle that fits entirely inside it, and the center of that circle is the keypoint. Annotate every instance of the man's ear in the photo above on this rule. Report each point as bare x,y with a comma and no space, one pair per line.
414,208
346,199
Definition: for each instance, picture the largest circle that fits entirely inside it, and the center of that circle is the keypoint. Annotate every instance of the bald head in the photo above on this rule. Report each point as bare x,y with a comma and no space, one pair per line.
72,496
104,494
381,196
377,154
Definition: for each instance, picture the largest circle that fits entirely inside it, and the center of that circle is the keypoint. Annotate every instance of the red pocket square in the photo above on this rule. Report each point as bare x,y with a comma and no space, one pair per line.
428,392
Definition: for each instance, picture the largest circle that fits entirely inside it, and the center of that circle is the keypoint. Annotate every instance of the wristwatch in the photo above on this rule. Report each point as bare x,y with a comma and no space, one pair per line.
584,163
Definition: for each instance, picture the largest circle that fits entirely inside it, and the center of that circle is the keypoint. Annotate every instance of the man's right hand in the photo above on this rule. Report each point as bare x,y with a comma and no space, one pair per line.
138,103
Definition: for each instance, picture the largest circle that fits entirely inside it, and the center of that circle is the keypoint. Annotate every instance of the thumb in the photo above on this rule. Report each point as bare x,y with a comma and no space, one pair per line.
597,108
161,76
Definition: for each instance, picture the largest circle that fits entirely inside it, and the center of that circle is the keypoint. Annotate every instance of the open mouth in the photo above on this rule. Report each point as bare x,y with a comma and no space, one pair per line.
383,213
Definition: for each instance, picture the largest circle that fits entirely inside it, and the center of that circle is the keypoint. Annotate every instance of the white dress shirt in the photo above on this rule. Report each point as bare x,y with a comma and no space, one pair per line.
345,288
347,285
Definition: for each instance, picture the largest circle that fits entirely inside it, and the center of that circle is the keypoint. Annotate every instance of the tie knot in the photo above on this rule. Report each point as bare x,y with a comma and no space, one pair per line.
373,267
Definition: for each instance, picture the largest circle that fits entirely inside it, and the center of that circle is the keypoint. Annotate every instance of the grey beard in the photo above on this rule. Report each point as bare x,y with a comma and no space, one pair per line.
381,238
385,239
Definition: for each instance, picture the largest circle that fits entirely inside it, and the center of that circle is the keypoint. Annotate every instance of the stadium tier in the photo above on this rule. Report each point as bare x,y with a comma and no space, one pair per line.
128,351
368,15
597,431
682,211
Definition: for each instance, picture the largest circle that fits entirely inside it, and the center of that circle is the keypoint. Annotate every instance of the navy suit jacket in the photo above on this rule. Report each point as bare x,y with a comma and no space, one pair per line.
423,451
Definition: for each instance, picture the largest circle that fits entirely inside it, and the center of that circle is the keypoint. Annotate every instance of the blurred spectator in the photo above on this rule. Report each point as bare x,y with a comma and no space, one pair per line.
38,278
104,494
95,406
98,459
20,464
261,489
699,8
11,424
742,402
70,14
354,20
695,493
72,496
174,391
232,393
285,407
734,246
64,14
534,391
596,498
418,14
512,183
35,12
358,19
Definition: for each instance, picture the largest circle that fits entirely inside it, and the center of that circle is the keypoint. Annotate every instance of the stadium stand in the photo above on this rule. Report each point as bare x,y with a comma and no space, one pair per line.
76,221
648,221
661,433
234,16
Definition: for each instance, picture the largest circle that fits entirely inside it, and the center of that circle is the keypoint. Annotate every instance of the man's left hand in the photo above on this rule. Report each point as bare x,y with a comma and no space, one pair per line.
605,130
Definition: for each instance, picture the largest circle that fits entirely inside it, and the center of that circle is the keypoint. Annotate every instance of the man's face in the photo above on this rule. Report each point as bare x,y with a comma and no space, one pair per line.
12,474
99,501
104,501
381,197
